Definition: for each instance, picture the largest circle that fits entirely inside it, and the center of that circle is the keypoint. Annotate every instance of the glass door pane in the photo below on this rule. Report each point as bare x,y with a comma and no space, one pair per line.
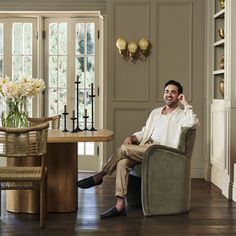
18,48
57,67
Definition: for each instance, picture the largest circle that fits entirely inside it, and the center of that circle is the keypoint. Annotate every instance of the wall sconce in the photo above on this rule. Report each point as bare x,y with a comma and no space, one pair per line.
133,50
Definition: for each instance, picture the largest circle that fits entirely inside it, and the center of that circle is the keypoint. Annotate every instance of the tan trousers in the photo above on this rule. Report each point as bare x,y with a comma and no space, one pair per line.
126,157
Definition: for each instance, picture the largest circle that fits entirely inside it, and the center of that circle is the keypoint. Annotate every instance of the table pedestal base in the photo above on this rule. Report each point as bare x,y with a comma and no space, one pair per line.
62,193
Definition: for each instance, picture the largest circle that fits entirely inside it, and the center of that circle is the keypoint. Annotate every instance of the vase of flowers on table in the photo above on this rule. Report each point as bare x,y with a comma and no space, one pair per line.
16,94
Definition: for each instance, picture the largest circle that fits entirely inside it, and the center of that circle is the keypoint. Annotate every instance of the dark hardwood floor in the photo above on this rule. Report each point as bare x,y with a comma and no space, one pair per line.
211,214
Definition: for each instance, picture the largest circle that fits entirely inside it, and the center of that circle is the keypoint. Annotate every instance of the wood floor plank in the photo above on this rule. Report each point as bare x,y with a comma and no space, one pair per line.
211,214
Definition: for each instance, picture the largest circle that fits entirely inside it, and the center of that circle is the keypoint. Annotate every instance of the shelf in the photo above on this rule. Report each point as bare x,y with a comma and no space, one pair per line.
219,43
220,14
218,72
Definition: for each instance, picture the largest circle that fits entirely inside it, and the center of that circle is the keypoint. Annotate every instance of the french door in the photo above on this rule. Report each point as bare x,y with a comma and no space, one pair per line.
68,48
71,51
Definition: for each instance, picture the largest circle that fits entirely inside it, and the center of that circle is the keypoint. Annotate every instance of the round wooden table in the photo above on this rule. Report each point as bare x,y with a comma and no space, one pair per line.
62,167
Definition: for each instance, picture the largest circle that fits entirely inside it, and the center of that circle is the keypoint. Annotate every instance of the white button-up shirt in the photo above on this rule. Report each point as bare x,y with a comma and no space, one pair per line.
169,131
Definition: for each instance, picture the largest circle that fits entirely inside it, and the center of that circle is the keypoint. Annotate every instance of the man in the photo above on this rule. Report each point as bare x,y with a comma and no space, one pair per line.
163,127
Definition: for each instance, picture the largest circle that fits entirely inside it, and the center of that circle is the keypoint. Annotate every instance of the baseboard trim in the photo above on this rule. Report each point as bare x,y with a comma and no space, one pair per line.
220,178
234,192
234,185
197,171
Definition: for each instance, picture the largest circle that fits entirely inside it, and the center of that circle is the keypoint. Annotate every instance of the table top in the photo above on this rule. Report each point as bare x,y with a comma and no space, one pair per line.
57,136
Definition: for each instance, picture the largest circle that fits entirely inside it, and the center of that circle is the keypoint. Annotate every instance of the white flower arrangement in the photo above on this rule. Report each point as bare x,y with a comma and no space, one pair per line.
16,94
25,87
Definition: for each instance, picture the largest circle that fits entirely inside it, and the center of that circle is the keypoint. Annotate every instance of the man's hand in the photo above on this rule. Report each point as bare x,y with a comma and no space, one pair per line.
128,140
182,99
131,140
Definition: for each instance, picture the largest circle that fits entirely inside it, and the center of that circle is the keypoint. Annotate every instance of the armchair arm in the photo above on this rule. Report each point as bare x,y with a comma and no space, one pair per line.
162,147
186,141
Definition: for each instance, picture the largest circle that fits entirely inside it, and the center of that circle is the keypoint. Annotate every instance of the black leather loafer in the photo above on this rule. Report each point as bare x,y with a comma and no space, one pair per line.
113,212
88,182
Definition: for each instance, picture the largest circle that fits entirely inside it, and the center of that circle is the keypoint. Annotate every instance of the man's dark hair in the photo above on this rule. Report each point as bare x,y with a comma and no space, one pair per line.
177,84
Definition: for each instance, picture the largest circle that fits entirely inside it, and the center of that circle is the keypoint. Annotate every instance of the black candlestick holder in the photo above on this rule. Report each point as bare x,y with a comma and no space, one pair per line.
85,120
92,96
73,118
64,115
77,82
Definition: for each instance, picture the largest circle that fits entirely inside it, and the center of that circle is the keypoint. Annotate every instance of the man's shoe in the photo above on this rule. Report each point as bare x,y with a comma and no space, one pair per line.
113,212
88,182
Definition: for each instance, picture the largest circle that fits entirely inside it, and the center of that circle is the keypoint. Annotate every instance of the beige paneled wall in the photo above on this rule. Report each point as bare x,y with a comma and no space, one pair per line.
121,116
176,31
174,43
131,22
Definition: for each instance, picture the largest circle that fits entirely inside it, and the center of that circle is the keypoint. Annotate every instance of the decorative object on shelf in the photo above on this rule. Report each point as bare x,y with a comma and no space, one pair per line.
222,4
221,33
73,118
16,94
221,87
222,63
65,113
85,119
92,98
77,82
133,50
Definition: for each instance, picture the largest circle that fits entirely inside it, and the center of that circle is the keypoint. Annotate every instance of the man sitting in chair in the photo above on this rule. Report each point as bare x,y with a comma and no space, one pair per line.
162,127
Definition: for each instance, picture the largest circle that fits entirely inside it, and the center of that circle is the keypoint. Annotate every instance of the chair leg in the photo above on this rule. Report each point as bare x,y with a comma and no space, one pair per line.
45,197
0,202
42,203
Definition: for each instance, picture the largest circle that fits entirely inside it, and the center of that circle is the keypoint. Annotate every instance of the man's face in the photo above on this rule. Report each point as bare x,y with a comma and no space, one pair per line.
171,95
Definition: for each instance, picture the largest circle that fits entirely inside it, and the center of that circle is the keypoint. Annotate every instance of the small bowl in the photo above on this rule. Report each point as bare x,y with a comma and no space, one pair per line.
221,33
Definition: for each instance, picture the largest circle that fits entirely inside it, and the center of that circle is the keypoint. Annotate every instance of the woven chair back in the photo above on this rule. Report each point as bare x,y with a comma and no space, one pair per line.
53,121
23,142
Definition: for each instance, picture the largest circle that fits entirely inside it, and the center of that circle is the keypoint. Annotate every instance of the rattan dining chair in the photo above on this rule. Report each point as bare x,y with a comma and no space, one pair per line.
25,143
54,121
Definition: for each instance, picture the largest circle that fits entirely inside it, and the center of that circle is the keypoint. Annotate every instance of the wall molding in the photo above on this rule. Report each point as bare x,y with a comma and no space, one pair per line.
128,64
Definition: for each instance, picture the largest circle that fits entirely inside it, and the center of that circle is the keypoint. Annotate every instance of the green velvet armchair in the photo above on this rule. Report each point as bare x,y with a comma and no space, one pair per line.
162,183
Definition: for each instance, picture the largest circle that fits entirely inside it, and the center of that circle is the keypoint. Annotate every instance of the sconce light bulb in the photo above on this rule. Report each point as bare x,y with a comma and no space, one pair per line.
121,44
143,44
132,46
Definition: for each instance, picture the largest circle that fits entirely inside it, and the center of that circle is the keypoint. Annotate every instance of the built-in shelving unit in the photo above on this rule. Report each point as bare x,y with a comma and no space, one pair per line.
223,108
219,50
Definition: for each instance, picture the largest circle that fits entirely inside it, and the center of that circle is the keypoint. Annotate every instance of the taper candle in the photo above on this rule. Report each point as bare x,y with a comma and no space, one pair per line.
91,88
